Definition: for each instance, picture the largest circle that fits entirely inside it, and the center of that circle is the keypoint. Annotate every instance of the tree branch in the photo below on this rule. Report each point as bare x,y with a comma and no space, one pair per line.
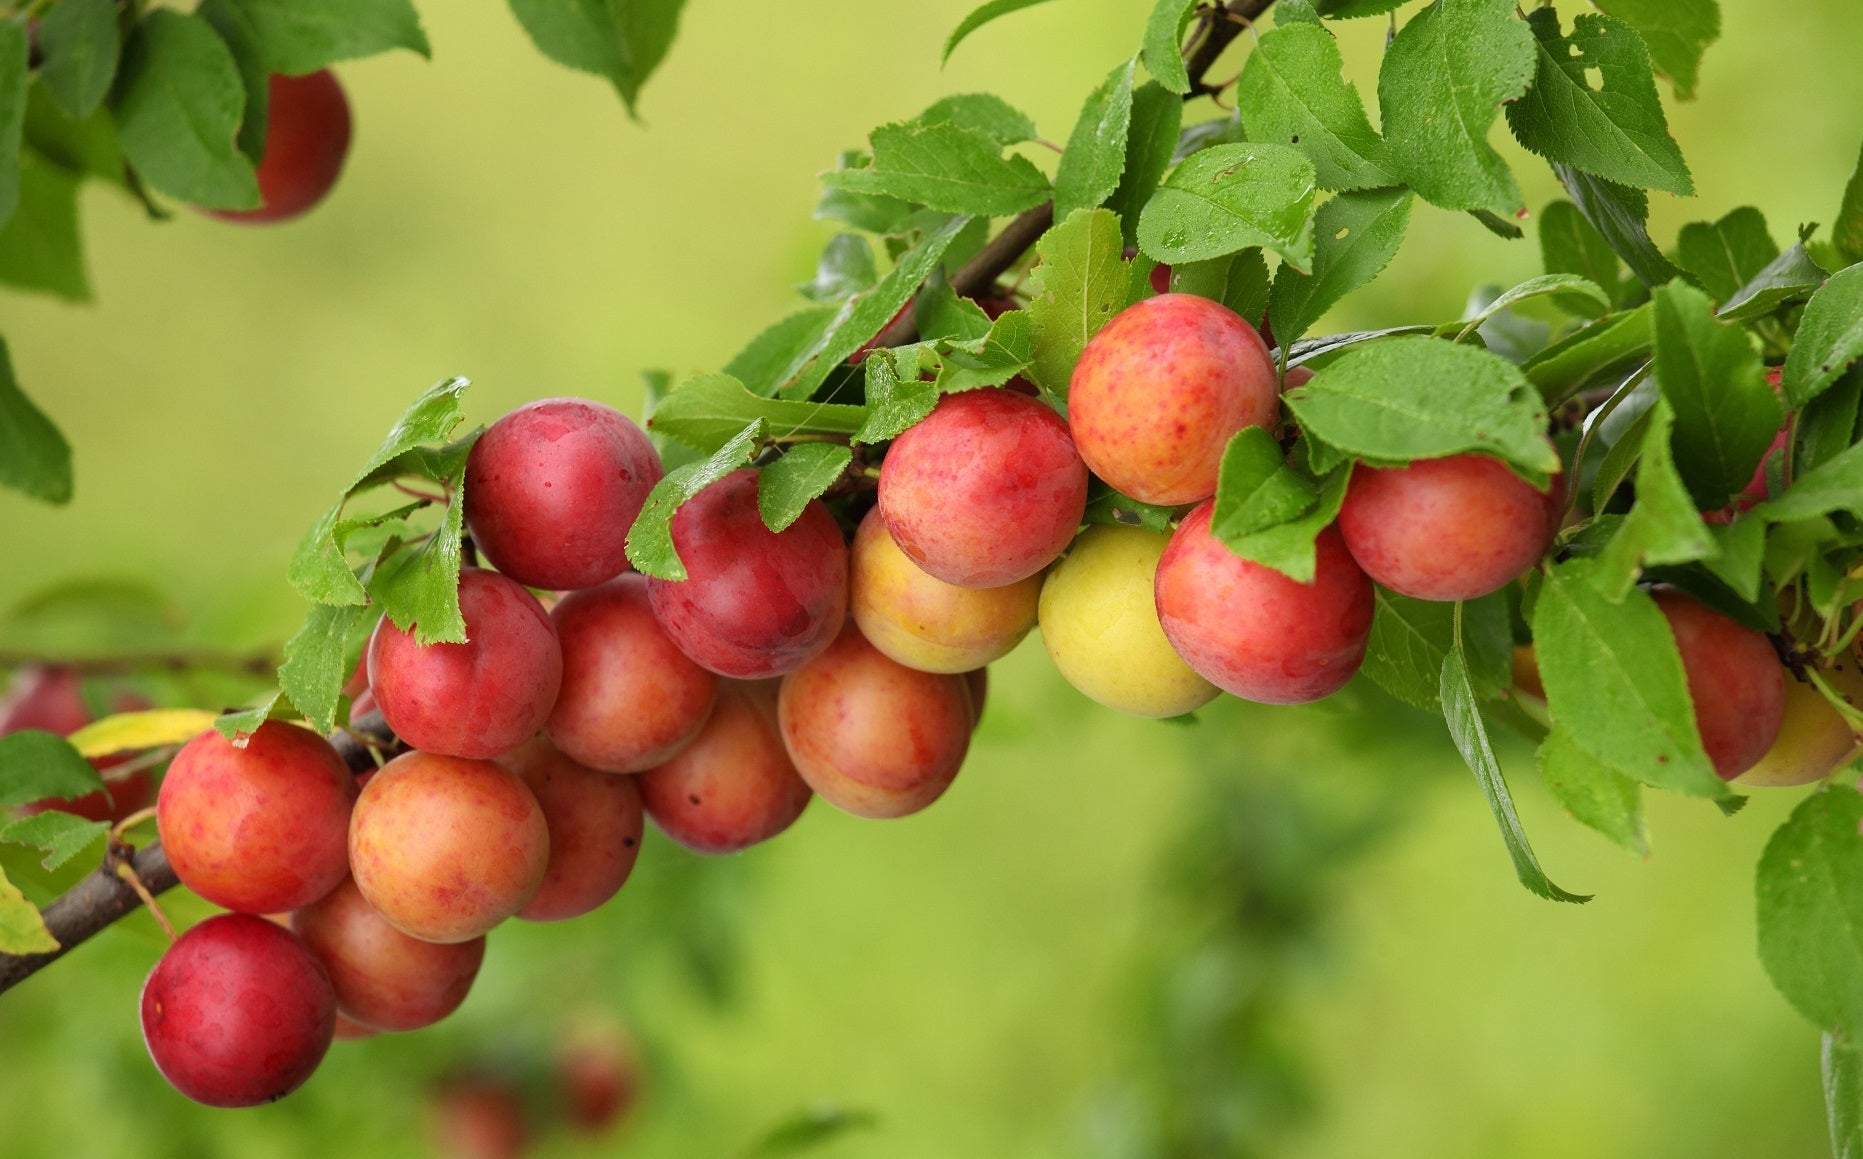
104,897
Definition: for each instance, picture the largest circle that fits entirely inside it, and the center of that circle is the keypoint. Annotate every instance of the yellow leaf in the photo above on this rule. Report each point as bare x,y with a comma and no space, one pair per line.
133,731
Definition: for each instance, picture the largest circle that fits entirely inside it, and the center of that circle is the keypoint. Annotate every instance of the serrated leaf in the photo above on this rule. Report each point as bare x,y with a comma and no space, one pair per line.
1569,286
1725,414
885,216
650,541
1445,77
941,314
1810,909
35,764
418,588
1596,795
238,725
984,113
1676,31
1163,44
1004,351
1847,230
1292,92
62,835
783,349
845,268
80,44
1790,277
1463,716
1571,245
1829,340
1420,398
178,101
1599,351
302,36
1096,151
1256,487
1616,131
316,663
893,404
946,167
127,732
1827,425
1410,639
1739,556
39,245
1207,134
22,927
1614,681
1357,235
1663,526
1227,198
786,487
1836,485
1105,505
14,78
1725,255
707,411
1079,282
35,460
1151,139
1239,281
979,17
1620,214
1288,547
1348,9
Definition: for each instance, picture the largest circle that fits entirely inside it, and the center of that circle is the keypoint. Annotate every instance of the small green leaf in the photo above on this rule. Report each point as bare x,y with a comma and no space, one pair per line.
62,835
1790,277
1620,214
418,588
1830,337
1835,485
22,927
1827,425
80,41
1725,255
1288,547
984,113
14,78
39,245
707,411
812,1128
1601,351
650,541
1257,488
1239,281
1164,38
301,36
1095,156
1229,197
1445,77
1739,555
1847,230
1810,902
1725,414
1569,286
1292,92
784,349
785,487
316,663
893,404
979,17
1157,115
240,724
1571,245
885,216
946,167
1004,351
179,99
1410,639
1595,794
1663,527
1357,236
34,458
234,24
1079,282
1676,31
35,765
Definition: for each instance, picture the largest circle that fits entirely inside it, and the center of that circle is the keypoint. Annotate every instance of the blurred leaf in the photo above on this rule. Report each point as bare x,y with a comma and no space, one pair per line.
1292,92
316,663
1420,398
1597,352
1847,230
234,22
89,617
239,725
22,928
1227,198
1843,1095
1239,281
1790,277
1663,526
1725,255
709,410
1676,31
1620,215
1616,131
1079,282
125,732
845,269
785,487
1810,892
34,457
14,77
301,36
1095,156
946,167
1105,505
178,101
1725,414
1348,9
979,17
1157,115
650,540
1164,39
86,147
1357,236
1410,640
984,113
810,1129
80,44
1445,77
1571,245
39,245
1595,794
35,764
1830,337
61,835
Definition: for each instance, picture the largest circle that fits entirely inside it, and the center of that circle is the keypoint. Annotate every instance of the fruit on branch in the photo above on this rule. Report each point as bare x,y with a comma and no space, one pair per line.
595,823
384,979
261,828
1454,528
238,1012
986,491
51,697
1814,738
478,699
1099,621
1159,391
552,488
755,603
871,736
735,785
922,621
1252,631
630,698
1735,680
307,130
446,848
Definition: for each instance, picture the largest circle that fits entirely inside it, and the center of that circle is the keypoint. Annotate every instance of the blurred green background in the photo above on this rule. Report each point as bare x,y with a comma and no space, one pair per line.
1112,937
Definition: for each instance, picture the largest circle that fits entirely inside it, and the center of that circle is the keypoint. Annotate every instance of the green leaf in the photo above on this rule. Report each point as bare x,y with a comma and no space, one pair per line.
62,835
1600,351
179,99
14,78
1571,245
1738,556
1595,794
39,246
87,147
946,167
22,927
1725,414
979,17
845,268
1847,230
650,540
1239,281
1616,131
1163,46
1079,282
1257,488
1292,92
35,765
1568,286
1843,1095
984,113
893,404
709,410
1663,527
783,349
1095,156
1347,9
1725,255
1445,77
1790,277
1676,31
1810,902
418,588
34,458
80,42
1410,639
1830,337
1157,115
1006,350
1105,505
1229,197
235,26
1357,236
301,36
316,663
885,216
1614,681
1835,485
240,724
812,1128
1463,716
785,487
1288,547
1419,398
1619,214
1827,425
940,313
